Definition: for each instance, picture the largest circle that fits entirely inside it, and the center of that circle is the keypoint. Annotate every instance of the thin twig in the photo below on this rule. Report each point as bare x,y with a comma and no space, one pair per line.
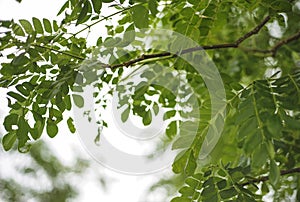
100,20
58,51
265,178
278,45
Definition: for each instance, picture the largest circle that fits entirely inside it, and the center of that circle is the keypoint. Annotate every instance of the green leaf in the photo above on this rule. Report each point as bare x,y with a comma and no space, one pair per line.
129,34
47,25
274,173
16,96
252,142
38,25
37,131
191,165
274,126
155,108
55,26
67,102
22,90
292,123
78,100
153,7
185,162
221,184
17,29
51,128
270,148
22,132
147,118
71,125
83,13
171,130
180,199
183,142
228,193
63,8
9,121
247,129
265,188
20,60
27,26
187,191
281,6
140,16
125,114
260,156
8,140
97,4
169,114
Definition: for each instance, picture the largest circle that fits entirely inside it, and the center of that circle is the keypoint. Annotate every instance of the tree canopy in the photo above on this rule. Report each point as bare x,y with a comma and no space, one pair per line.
254,46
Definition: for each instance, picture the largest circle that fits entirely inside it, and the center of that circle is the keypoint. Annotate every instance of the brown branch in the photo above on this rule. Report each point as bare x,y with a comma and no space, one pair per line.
254,31
285,41
265,178
278,45
189,50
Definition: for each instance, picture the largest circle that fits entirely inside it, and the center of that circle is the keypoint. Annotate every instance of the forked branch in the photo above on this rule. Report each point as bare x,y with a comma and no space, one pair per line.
235,44
189,50
265,178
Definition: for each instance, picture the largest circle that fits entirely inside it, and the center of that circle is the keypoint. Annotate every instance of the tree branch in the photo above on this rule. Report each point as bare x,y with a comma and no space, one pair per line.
236,44
189,50
265,178
275,48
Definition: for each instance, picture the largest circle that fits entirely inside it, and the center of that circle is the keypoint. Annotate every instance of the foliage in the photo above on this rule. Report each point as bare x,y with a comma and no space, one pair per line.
43,178
259,149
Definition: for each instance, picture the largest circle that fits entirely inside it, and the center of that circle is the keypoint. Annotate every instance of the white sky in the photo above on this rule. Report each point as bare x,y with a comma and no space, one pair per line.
123,187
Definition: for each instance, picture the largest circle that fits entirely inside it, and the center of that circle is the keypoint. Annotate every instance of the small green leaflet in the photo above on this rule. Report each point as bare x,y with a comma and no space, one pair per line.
71,125
153,7
228,193
169,114
20,60
47,25
83,16
147,118
97,4
17,29
22,132
9,121
140,16
37,25
16,96
78,100
125,114
9,140
185,162
274,173
51,128
27,26
171,130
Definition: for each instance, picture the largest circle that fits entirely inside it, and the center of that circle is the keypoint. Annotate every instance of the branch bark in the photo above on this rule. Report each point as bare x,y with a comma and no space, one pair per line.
278,45
266,178
235,44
